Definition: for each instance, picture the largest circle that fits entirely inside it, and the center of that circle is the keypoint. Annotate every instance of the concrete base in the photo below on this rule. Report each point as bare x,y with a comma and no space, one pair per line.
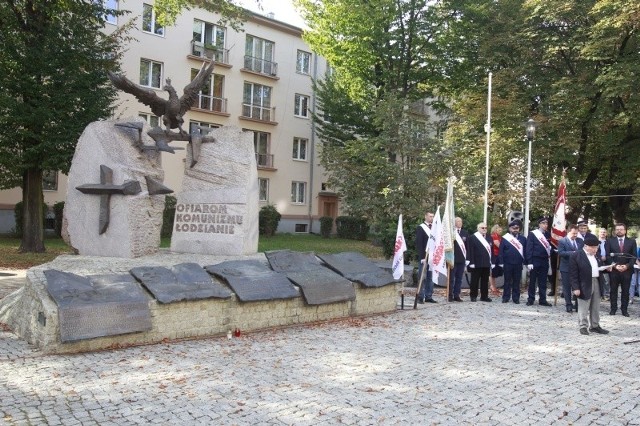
33,315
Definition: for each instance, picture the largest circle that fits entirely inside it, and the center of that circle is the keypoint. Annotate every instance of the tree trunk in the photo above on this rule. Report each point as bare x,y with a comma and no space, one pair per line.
33,214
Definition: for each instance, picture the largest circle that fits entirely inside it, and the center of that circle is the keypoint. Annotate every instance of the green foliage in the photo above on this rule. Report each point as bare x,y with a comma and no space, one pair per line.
326,224
387,237
317,244
168,215
58,211
268,217
350,227
167,11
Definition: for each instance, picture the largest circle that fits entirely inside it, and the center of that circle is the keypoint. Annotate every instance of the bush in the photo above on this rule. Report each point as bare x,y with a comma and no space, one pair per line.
387,237
326,224
352,228
168,215
58,210
269,217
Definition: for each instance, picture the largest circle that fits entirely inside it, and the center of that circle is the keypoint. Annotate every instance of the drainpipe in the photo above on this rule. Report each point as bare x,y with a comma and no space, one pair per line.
312,143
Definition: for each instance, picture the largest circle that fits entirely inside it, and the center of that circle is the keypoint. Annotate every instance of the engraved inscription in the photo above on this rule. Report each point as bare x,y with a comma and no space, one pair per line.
207,218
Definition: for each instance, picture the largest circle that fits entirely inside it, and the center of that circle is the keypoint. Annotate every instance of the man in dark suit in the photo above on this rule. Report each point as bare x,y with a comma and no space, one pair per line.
459,261
537,254
511,258
566,246
479,256
423,233
621,252
584,273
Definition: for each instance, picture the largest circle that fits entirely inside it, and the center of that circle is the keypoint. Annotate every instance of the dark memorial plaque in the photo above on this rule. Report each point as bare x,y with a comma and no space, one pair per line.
97,306
186,281
319,284
253,281
356,267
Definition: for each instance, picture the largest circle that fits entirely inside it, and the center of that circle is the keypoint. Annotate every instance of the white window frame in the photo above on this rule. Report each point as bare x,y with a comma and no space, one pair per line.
211,126
152,120
303,62
261,93
301,106
150,74
114,5
263,188
219,38
155,28
208,99
297,153
296,188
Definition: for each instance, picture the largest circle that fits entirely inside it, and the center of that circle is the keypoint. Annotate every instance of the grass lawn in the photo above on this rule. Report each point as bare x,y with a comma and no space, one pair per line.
10,258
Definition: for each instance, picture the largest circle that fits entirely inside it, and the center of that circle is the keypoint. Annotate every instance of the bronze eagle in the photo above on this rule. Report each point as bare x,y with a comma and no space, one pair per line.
171,110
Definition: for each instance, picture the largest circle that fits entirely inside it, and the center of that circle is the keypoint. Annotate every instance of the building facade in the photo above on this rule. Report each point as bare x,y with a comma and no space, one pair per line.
262,83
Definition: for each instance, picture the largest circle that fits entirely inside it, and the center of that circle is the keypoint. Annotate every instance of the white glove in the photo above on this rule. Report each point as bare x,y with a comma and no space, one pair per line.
529,267
422,261
502,265
493,266
466,263
471,266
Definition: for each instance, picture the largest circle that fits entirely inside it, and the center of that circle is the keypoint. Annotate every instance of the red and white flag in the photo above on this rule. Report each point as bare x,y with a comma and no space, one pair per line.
397,267
559,227
437,258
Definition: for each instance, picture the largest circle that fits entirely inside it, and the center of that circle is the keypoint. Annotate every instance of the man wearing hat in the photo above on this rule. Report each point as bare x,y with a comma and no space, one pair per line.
511,258
583,229
566,247
584,273
538,253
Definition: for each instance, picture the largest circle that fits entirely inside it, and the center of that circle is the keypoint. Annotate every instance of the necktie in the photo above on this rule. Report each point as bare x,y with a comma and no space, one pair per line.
621,242
429,225
575,247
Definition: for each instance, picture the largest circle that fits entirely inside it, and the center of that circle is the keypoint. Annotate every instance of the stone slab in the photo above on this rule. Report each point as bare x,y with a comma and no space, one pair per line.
252,280
182,282
319,284
358,268
97,306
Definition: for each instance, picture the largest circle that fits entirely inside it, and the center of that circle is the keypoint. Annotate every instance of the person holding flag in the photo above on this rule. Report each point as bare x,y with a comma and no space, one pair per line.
558,231
460,262
397,267
511,257
423,233
538,254
479,256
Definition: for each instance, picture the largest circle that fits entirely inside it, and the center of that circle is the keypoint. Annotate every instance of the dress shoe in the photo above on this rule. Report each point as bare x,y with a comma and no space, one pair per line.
517,302
420,301
625,313
473,299
485,299
529,303
457,299
598,330
505,301
612,312
450,299
569,308
430,301
584,331
575,307
545,303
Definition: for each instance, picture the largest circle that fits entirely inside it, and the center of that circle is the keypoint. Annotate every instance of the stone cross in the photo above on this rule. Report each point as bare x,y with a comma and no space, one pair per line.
105,189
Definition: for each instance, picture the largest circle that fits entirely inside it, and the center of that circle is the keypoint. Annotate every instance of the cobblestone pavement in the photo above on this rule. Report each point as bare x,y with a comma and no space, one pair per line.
458,363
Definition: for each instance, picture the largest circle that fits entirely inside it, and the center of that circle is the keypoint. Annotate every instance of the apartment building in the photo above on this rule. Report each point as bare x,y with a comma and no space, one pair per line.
262,83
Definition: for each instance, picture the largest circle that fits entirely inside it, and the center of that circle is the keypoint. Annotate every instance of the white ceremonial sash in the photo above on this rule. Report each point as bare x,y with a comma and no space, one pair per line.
543,240
484,242
461,244
514,242
426,229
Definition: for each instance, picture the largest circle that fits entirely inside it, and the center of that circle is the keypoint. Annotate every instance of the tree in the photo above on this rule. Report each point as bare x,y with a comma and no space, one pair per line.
168,10
53,62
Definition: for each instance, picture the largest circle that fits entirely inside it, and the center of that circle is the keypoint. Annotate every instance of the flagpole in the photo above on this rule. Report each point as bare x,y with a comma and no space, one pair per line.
424,268
487,128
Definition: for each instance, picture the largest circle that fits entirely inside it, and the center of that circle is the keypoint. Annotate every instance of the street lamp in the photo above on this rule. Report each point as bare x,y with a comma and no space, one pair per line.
531,132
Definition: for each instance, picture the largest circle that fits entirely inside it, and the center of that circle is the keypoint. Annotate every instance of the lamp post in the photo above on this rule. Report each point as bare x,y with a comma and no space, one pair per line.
531,132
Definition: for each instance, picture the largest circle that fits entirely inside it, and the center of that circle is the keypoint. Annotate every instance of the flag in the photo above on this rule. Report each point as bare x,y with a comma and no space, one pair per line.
400,247
448,223
559,227
437,255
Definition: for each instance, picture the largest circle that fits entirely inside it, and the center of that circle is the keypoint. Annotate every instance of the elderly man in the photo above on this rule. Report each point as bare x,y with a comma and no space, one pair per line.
479,256
566,246
584,273
537,254
511,258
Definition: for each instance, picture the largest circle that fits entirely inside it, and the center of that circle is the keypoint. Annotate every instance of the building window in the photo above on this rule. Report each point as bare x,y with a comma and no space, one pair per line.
300,228
201,128
258,56
111,5
149,23
261,145
49,180
210,96
298,192
150,73
300,148
303,62
256,101
263,189
209,40
153,120
301,107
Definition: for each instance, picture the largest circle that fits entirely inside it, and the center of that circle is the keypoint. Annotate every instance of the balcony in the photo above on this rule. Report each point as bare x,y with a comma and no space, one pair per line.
257,113
209,51
211,103
260,66
264,161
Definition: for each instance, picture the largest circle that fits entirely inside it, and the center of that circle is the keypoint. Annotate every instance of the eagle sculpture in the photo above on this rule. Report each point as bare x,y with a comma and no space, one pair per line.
171,110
